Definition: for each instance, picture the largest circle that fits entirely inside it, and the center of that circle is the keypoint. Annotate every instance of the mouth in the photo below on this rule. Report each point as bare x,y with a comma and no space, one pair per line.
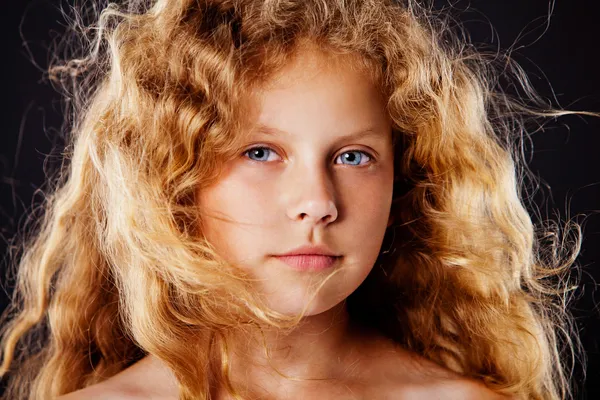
309,262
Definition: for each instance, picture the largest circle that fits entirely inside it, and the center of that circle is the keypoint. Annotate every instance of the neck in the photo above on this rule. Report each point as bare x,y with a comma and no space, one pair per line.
321,347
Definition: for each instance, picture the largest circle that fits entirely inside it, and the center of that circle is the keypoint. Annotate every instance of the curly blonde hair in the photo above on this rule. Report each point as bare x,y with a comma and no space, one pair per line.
117,267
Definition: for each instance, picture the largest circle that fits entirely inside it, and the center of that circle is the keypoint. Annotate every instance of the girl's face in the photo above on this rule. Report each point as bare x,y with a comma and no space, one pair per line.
317,170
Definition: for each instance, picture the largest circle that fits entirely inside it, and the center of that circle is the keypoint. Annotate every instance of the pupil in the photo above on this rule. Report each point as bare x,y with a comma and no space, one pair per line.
350,157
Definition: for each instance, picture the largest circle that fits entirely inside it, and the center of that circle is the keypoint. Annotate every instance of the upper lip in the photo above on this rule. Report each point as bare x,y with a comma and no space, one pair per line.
310,249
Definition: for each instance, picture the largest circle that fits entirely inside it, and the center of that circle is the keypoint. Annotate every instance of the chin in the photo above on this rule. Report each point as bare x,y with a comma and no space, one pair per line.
293,306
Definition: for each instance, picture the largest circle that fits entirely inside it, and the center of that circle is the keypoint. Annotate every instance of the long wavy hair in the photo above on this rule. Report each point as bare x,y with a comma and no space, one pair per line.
117,268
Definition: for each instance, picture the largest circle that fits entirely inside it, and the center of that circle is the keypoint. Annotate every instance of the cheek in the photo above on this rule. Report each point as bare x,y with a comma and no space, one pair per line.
369,199
238,198
235,210
367,203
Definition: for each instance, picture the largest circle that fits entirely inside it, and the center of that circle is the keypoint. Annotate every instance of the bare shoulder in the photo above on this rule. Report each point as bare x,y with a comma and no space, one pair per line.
142,380
109,390
431,381
101,391
457,389
411,376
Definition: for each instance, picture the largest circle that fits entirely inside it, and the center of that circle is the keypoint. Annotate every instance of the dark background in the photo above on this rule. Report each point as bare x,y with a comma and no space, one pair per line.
561,60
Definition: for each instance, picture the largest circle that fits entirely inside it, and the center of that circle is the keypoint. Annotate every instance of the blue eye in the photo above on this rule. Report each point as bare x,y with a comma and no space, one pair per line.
260,152
354,157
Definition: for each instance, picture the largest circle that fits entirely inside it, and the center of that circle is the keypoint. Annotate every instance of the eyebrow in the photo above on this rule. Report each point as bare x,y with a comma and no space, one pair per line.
367,132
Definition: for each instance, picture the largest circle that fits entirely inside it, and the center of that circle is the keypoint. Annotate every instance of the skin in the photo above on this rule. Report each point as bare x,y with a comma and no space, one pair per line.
302,191
321,180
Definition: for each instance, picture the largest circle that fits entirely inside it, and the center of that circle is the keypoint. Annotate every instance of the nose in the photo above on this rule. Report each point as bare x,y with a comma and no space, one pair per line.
312,200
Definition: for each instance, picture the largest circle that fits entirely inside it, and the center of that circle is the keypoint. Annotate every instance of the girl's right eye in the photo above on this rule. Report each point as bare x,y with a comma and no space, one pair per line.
260,152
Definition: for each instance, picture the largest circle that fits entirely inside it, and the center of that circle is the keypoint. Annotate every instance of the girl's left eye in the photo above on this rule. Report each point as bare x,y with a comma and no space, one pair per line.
353,156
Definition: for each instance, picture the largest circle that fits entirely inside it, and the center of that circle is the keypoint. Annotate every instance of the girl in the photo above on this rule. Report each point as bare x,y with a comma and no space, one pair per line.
289,199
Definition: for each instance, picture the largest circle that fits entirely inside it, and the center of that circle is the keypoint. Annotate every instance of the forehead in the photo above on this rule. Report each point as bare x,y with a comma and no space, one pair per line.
309,61
319,90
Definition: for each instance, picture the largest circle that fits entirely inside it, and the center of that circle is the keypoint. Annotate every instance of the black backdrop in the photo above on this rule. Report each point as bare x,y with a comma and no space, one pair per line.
561,61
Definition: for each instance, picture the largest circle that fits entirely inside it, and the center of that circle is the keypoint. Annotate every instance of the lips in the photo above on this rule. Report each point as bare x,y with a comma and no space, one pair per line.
308,262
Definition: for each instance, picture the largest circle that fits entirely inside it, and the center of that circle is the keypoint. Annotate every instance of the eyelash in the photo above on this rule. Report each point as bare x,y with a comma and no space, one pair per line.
370,161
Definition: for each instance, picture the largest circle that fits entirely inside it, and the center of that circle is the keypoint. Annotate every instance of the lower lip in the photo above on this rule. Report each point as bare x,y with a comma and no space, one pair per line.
309,262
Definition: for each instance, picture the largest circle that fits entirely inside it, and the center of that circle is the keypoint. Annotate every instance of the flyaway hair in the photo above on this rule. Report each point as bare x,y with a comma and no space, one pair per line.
116,268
